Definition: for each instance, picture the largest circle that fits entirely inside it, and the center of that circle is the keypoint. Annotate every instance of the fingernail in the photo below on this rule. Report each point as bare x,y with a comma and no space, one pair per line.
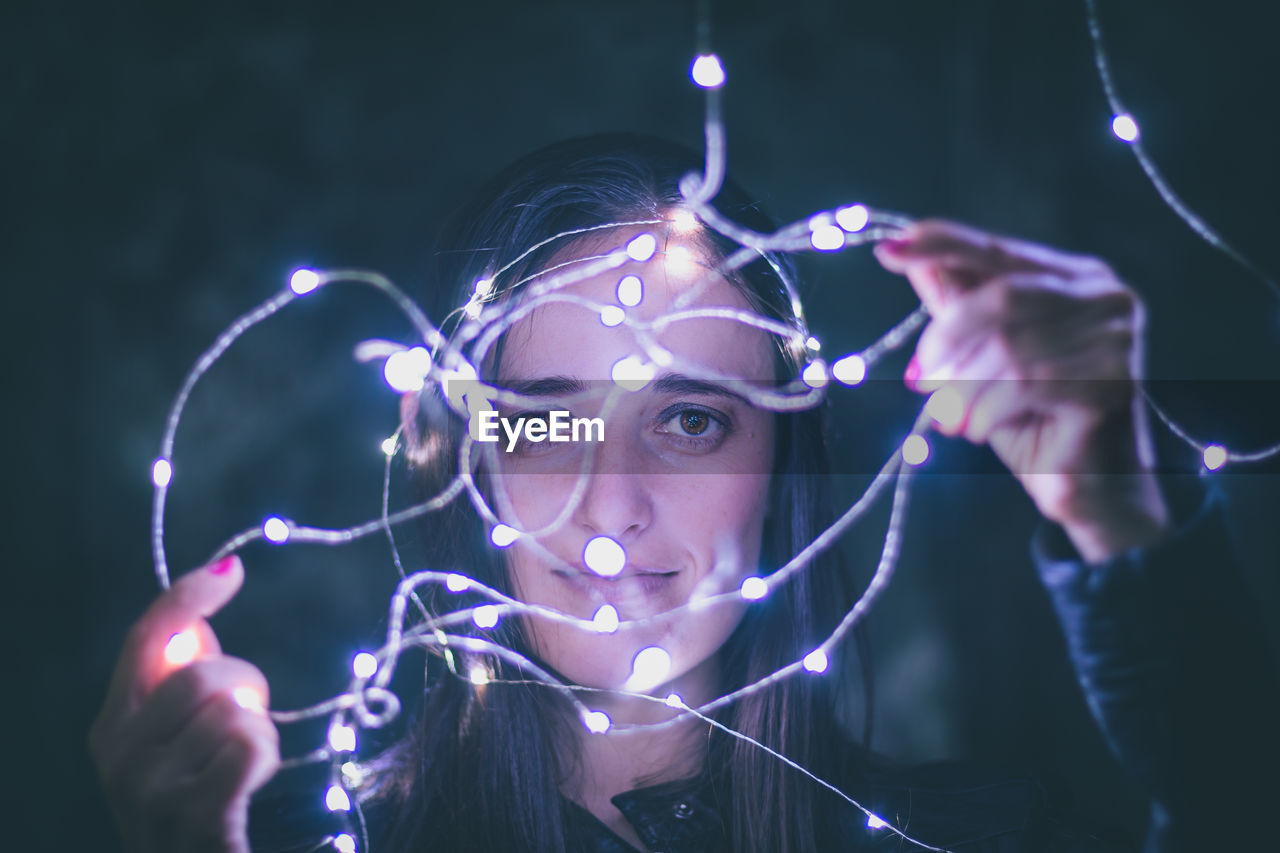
912,374
221,567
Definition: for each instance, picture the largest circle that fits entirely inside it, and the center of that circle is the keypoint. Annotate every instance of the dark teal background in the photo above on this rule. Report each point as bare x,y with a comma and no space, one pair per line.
167,165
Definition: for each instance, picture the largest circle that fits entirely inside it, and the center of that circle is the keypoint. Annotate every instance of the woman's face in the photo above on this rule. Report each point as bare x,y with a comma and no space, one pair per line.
681,479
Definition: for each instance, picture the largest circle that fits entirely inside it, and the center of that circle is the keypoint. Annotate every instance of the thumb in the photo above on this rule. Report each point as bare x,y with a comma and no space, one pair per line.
148,656
201,593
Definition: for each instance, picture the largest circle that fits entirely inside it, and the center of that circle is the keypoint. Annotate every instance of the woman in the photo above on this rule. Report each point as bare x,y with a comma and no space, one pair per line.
703,489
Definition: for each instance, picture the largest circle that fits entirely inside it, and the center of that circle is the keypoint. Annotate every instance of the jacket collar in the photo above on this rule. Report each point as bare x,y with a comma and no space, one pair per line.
674,817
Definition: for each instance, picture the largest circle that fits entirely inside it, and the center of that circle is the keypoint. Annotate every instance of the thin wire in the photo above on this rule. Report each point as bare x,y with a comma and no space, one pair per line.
368,702
1175,203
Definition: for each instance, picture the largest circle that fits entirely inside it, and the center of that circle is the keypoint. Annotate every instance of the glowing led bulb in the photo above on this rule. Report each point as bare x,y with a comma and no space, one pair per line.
874,822
455,582
946,406
630,290
161,472
812,343
247,698
364,665
815,374
478,674
486,615
754,588
612,315
304,281
850,370
181,648
503,535
389,446
276,530
684,221
852,218
406,371
604,556
337,800
915,450
484,287
680,261
631,373
642,247
1215,456
606,619
1124,127
827,238
661,356
707,71
649,668
353,774
673,700
344,843
473,308
597,721
342,739
816,661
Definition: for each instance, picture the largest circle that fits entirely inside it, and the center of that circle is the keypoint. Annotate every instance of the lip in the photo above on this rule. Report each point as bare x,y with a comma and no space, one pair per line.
629,571
631,587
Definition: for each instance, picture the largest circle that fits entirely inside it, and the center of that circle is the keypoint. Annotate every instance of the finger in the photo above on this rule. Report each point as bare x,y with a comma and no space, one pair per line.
123,752
999,402
959,245
955,336
211,808
178,698
244,763
218,720
941,258
1044,330
194,596
956,402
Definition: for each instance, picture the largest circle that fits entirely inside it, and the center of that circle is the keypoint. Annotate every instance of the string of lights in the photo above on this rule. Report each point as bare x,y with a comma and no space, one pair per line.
1125,127
448,363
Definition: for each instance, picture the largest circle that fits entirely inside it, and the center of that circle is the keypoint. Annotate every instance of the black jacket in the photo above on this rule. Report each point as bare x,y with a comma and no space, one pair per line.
1147,632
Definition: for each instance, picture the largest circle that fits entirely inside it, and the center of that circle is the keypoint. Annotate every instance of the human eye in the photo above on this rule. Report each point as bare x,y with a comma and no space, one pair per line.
694,427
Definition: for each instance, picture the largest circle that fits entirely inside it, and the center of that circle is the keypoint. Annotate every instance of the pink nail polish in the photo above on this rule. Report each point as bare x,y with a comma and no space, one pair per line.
222,566
892,245
912,374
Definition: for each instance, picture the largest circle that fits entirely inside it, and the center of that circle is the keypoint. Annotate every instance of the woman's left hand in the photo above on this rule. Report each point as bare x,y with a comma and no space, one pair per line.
1038,353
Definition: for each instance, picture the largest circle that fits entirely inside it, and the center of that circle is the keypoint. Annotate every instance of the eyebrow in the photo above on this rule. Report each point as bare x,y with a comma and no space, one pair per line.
677,383
546,386
668,383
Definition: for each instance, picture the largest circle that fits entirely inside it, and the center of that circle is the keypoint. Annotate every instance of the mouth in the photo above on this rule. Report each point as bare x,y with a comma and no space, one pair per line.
632,586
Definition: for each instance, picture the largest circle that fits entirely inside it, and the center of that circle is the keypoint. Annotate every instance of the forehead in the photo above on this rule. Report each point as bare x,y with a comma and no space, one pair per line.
569,339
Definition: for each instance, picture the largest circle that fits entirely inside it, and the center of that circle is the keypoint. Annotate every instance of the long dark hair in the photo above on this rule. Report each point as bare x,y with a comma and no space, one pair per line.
481,767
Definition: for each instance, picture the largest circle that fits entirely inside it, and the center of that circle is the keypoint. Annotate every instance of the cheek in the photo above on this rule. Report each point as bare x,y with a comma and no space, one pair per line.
533,500
719,518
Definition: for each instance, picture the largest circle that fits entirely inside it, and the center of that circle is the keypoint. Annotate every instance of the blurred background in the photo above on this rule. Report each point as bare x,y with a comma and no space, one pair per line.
168,165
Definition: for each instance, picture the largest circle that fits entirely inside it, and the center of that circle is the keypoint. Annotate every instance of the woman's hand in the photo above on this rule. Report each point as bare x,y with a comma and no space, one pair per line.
180,748
1038,354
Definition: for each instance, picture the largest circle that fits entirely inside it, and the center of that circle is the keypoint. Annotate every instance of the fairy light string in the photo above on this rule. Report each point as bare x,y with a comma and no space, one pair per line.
1125,126
448,362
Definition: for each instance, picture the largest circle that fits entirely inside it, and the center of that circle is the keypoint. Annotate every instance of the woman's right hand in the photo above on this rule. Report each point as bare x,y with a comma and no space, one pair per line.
180,747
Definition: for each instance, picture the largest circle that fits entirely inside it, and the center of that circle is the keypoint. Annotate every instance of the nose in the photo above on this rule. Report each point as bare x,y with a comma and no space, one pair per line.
617,500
